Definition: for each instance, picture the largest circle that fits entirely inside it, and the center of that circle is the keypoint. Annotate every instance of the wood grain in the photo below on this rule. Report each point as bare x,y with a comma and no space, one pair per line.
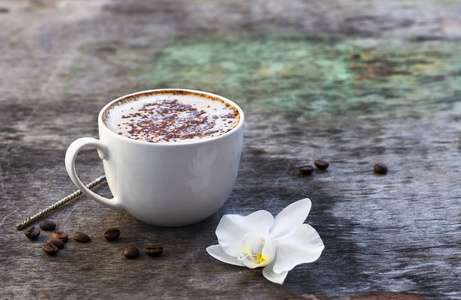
351,82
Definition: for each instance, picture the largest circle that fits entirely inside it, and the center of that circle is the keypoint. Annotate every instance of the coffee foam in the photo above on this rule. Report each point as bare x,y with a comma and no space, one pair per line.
171,117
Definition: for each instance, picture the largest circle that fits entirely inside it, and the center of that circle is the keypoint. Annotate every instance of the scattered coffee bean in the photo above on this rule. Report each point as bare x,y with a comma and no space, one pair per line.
50,249
47,225
60,235
112,234
32,232
380,168
154,250
131,252
321,164
81,237
306,169
58,243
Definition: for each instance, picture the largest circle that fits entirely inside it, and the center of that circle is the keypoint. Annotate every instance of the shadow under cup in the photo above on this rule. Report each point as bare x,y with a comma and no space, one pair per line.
164,184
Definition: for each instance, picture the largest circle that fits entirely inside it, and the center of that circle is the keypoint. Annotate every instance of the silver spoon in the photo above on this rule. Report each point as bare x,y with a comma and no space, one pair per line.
59,203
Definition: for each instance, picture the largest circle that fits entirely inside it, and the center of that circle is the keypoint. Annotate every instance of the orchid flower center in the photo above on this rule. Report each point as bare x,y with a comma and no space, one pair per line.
255,255
256,251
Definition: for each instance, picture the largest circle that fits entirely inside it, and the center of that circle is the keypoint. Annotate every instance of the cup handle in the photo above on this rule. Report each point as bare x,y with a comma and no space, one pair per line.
71,154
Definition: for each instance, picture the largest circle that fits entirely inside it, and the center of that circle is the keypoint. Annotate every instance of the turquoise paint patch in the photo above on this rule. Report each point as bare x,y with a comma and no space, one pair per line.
311,77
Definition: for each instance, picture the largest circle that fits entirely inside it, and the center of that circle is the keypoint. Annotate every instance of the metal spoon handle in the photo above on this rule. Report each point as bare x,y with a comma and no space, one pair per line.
59,203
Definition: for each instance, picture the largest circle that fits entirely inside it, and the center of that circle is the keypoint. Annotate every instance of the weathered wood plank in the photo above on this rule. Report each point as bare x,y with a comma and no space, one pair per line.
352,82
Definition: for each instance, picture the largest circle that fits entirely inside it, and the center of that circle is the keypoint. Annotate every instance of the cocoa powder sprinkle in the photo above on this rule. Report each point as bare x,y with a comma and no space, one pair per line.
169,120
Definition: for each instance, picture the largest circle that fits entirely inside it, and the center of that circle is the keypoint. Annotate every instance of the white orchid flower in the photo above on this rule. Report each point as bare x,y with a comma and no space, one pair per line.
259,240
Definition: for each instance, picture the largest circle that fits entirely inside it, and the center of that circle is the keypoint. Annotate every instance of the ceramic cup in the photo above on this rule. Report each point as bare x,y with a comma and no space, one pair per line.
172,184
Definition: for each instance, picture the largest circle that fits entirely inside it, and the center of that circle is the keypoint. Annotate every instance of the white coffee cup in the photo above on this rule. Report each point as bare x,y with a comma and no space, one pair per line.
172,184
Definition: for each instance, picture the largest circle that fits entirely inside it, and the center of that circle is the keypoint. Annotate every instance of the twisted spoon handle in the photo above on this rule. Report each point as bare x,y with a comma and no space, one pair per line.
59,203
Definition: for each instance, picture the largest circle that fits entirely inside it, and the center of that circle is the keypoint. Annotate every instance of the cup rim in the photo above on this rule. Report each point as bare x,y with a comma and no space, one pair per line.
178,91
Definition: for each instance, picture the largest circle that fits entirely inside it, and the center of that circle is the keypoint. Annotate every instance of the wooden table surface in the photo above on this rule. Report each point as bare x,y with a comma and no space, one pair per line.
351,82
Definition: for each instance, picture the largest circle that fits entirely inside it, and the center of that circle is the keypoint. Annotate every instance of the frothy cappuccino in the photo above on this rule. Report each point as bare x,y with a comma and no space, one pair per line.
171,117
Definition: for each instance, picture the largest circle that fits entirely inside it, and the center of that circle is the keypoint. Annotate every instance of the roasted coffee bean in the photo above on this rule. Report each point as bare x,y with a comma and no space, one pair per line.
306,169
112,234
131,252
32,232
321,164
380,168
154,251
50,249
47,225
81,237
60,235
58,243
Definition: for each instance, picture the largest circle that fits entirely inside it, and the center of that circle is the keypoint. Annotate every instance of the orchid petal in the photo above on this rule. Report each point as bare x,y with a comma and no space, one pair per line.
269,274
232,228
303,245
256,250
217,252
290,217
